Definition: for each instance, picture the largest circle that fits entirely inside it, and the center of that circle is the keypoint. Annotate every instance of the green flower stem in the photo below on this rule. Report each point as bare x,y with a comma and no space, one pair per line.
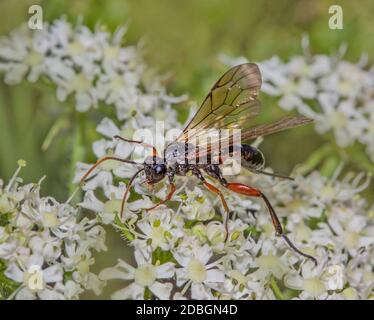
315,159
59,125
274,286
78,149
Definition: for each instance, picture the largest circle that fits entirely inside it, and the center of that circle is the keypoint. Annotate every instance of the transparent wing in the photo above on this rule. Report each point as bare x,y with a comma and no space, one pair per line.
280,125
231,103
216,142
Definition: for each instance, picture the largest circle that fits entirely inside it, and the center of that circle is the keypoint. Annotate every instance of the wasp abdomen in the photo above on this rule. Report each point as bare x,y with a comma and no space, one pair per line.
253,158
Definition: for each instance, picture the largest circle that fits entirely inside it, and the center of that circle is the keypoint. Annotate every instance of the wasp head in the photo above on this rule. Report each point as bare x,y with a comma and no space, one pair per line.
155,169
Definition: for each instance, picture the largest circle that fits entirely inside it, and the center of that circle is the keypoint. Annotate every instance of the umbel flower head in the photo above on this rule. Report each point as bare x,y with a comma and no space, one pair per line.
92,65
45,248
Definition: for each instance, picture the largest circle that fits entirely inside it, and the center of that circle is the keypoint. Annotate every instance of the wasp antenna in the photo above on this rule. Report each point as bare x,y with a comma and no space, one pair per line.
146,145
294,248
126,140
127,191
273,175
98,162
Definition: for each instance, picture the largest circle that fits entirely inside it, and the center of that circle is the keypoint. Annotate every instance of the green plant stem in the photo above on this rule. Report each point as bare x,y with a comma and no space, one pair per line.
274,286
315,159
78,150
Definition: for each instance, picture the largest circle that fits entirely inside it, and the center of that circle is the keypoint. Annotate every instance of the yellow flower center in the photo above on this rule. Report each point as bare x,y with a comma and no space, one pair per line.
50,219
351,239
145,275
5,205
33,58
238,277
117,83
196,271
111,53
80,83
157,236
83,267
338,120
314,286
75,48
112,206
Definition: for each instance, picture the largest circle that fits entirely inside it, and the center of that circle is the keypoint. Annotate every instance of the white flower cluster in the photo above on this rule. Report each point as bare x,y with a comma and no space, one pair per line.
337,94
181,251
93,66
335,224
45,248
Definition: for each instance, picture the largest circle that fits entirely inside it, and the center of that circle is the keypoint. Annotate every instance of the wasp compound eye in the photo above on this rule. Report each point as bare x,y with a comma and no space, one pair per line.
160,169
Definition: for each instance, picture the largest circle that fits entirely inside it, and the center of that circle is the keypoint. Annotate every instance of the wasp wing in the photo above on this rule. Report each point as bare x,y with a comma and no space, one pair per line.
230,103
280,125
220,146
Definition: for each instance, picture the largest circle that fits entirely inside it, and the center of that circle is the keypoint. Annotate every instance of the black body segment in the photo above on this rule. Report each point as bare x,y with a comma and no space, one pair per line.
252,158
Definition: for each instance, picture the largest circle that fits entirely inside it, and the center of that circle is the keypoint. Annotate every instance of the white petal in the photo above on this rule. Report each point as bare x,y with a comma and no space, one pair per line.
121,271
140,204
215,275
182,259
25,294
91,202
48,294
123,149
83,101
107,128
15,74
7,249
142,256
133,291
161,290
102,180
14,272
182,276
53,274
200,292
294,281
35,260
165,270
145,227
125,170
101,146
204,253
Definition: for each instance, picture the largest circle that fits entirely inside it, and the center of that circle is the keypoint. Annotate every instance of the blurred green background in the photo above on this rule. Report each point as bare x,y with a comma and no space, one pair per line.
184,38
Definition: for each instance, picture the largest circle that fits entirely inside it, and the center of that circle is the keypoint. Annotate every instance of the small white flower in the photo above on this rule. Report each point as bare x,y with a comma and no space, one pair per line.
34,278
196,271
145,275
334,277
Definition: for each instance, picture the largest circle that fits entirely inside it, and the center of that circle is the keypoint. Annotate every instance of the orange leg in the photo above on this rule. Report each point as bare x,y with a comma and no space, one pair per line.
253,192
168,197
219,193
146,145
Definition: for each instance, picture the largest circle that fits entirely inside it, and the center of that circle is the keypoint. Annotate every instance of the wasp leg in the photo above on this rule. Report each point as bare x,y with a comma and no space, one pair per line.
218,192
168,197
227,211
146,145
98,162
253,192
